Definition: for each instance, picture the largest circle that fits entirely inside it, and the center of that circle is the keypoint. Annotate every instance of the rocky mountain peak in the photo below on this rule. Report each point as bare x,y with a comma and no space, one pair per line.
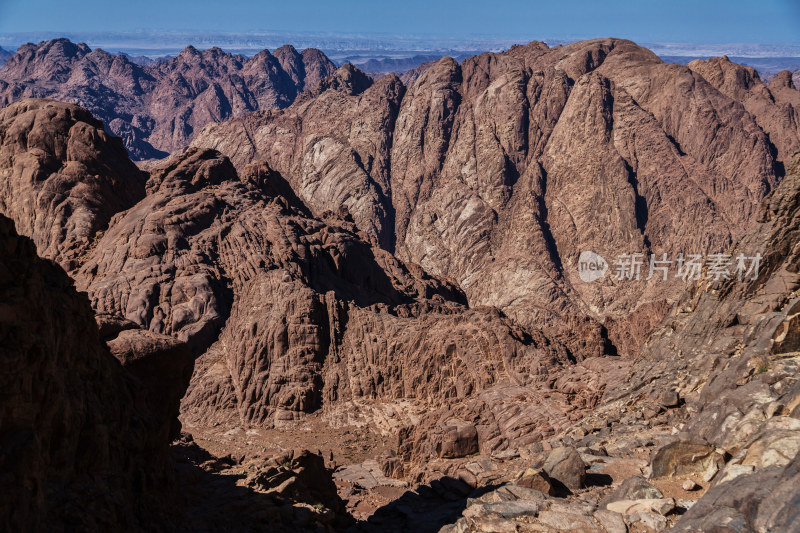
464,272
775,107
74,178
456,170
189,51
158,108
53,58
194,170
317,67
782,80
287,52
347,79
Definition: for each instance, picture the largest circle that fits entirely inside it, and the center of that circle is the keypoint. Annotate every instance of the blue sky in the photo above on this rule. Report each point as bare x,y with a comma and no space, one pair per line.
712,21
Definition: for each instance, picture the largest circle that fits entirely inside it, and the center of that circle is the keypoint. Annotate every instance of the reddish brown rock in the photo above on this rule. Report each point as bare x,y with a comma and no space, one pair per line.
776,107
718,347
156,109
84,439
682,457
298,475
62,177
499,171
458,439
566,466
163,365
343,160
536,479
291,314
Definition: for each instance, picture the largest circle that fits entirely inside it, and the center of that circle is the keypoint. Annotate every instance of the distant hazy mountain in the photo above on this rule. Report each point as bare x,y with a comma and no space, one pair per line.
157,107
396,65
4,55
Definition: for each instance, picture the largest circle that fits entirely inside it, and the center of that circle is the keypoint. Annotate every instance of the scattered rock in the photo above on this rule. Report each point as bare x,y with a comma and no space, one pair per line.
661,506
669,398
682,457
612,522
566,521
654,521
534,478
732,471
459,439
773,447
510,509
710,471
505,455
689,485
566,466
634,488
300,476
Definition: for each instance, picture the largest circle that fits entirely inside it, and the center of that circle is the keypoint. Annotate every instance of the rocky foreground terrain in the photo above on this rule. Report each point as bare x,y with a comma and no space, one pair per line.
157,108
387,275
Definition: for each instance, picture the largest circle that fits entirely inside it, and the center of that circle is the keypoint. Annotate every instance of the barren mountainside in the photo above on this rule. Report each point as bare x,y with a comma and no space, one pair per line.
499,171
85,438
156,109
388,271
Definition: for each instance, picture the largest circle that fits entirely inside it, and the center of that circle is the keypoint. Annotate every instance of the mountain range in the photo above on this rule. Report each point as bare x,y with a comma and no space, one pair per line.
327,254
157,108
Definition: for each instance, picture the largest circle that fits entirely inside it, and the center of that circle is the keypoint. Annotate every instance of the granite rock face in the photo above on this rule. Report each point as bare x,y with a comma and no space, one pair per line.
62,177
156,109
84,438
730,348
723,451
413,250
775,106
290,314
498,172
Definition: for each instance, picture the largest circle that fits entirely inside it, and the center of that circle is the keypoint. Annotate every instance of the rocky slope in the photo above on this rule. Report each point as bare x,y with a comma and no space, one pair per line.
88,410
84,438
499,171
4,55
739,372
295,289
62,177
91,400
710,415
156,109
776,107
288,313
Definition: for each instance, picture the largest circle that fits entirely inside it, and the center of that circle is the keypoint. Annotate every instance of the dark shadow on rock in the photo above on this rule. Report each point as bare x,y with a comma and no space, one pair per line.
559,489
214,501
598,480
423,510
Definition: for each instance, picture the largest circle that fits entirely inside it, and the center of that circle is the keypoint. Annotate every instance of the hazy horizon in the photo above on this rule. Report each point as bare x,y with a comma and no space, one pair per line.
772,22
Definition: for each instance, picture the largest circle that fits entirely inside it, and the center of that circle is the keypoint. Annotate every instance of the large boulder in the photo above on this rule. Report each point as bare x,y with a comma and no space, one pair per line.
682,457
566,466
